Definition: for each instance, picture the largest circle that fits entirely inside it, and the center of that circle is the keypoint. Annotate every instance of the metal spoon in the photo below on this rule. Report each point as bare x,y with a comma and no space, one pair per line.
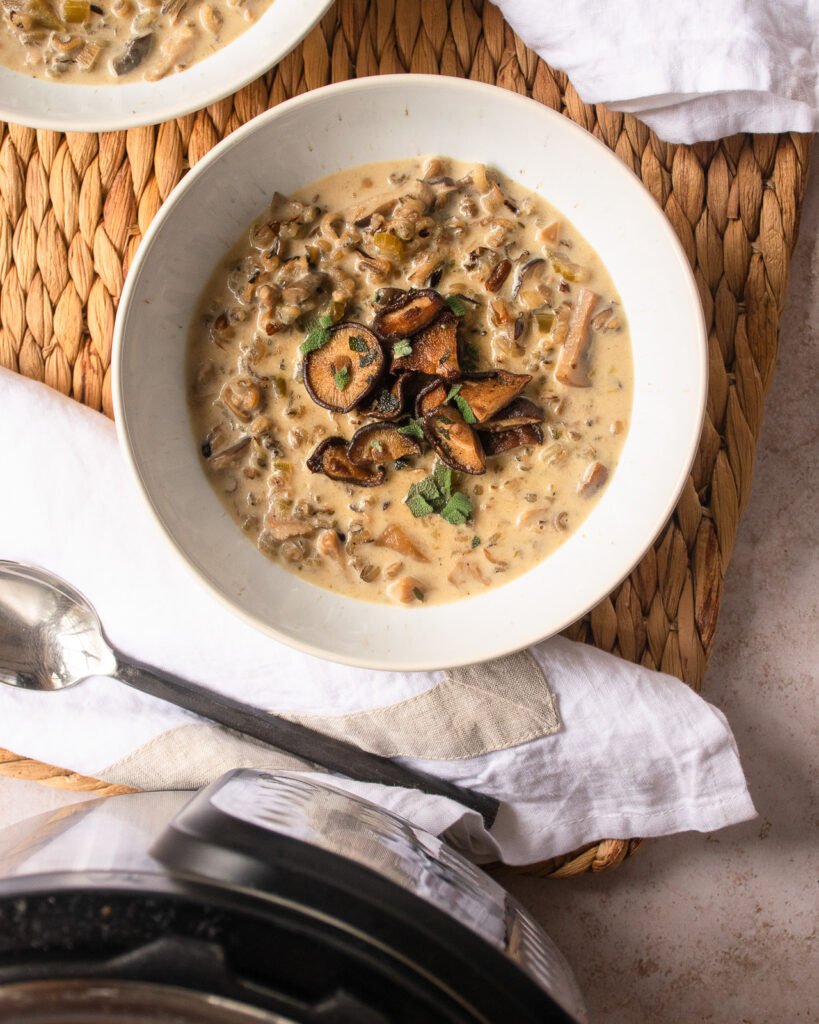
52,638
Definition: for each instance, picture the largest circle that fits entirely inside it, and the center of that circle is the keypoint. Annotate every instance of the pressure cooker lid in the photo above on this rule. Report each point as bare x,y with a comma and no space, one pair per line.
122,1002
276,893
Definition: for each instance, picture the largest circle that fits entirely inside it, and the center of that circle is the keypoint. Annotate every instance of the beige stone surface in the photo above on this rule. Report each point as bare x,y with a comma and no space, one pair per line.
723,928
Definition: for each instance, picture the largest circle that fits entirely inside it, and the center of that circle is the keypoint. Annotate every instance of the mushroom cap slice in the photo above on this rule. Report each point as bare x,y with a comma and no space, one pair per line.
434,350
331,459
532,268
379,443
395,538
430,397
454,440
351,347
409,313
519,413
488,392
389,401
517,437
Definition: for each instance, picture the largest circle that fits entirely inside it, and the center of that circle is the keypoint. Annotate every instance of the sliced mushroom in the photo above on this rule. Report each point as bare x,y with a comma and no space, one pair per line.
133,55
409,313
242,397
406,590
434,351
219,460
571,368
280,528
387,296
454,440
379,443
519,413
331,459
385,202
395,538
490,391
517,437
593,478
527,274
389,400
328,544
430,397
346,369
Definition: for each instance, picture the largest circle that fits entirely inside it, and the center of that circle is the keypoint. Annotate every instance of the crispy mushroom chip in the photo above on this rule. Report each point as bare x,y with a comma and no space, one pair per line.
379,443
454,440
389,400
430,397
344,370
409,313
433,351
517,437
488,392
331,459
519,413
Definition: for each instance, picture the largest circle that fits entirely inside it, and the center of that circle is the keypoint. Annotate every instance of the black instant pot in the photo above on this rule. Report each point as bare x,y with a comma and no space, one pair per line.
265,898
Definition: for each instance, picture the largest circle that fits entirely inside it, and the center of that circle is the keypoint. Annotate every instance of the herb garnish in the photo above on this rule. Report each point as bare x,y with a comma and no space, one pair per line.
455,303
342,377
318,335
366,354
413,429
476,542
402,348
458,509
464,407
434,494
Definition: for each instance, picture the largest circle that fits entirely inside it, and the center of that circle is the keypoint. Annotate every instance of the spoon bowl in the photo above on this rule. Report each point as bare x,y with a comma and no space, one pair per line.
50,636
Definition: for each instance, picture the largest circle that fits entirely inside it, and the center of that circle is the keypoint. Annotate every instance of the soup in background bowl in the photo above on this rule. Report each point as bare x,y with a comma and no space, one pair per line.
533,150
110,65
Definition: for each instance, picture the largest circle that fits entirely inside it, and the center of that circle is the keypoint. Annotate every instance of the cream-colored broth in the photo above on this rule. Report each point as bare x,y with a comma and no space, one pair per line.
108,41
527,502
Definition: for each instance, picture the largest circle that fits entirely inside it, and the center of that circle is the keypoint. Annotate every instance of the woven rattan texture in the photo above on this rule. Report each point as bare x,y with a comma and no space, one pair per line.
74,207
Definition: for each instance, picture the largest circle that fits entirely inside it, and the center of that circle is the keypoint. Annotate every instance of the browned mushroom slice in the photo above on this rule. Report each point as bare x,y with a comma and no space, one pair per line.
331,459
455,441
593,478
488,392
572,362
396,539
518,437
379,443
409,313
519,413
342,372
430,397
434,351
389,400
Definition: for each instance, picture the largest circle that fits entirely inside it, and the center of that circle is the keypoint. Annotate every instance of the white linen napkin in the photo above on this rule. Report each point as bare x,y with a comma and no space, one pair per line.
576,744
691,69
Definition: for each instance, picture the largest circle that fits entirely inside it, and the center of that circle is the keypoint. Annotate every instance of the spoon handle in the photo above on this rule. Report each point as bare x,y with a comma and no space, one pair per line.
333,754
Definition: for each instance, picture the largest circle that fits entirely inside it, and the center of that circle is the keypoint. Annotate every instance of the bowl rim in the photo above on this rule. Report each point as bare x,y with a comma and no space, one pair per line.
64,121
316,649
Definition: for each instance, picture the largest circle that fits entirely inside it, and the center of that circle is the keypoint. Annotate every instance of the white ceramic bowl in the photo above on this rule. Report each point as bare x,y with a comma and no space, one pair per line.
377,119
43,103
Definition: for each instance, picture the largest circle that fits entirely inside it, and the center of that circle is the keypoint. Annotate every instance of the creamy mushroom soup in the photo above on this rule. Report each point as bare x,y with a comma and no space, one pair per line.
410,381
101,41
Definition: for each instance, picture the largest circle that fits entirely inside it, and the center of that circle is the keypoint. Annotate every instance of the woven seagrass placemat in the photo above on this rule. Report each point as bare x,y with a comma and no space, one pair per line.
73,209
